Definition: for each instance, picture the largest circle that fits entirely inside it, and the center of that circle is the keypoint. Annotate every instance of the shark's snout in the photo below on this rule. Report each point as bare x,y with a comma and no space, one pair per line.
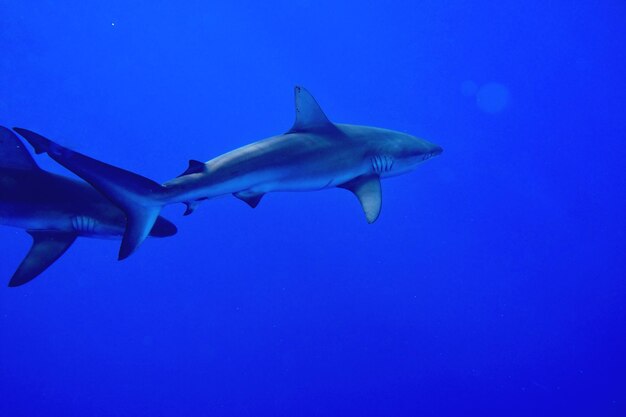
430,151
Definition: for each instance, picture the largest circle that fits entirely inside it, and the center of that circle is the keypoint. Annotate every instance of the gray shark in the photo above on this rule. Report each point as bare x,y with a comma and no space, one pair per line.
315,154
54,210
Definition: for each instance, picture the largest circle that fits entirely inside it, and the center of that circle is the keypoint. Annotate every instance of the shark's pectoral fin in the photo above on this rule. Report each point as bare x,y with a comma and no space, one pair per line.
251,199
48,246
367,189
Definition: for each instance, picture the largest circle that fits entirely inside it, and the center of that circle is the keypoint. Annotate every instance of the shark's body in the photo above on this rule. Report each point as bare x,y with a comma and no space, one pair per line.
55,210
295,161
314,154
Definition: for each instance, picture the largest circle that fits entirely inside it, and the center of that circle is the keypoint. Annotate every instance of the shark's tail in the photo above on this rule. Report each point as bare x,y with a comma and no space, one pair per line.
140,198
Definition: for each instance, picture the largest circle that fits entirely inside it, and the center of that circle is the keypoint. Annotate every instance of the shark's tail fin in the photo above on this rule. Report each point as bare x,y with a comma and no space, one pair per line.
139,197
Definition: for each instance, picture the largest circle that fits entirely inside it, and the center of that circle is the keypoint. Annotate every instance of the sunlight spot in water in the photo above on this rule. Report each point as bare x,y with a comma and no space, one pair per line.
492,97
112,23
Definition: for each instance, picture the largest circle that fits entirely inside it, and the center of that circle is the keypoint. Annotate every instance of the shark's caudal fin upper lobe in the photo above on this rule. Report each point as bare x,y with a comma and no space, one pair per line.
137,196
13,153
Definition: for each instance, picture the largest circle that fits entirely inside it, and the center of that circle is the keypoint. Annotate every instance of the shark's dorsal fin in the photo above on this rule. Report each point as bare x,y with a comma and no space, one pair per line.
194,167
309,115
367,189
48,246
13,154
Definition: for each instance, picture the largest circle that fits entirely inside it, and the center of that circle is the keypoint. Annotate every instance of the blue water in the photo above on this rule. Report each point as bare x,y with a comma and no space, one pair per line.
493,284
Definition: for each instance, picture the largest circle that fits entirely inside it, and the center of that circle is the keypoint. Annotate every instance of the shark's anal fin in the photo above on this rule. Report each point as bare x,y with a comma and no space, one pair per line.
367,189
13,154
194,167
251,199
309,114
48,246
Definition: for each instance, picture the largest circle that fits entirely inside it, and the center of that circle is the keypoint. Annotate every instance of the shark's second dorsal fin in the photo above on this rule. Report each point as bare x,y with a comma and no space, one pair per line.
13,154
309,115
194,167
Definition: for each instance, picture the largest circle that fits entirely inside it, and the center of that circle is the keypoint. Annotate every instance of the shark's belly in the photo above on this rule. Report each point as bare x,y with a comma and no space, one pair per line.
294,163
299,183
300,178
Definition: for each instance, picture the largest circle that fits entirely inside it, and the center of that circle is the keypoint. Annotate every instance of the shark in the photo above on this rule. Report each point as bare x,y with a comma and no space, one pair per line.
53,209
315,154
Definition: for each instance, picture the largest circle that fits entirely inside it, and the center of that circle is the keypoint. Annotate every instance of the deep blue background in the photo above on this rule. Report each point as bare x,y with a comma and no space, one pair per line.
493,284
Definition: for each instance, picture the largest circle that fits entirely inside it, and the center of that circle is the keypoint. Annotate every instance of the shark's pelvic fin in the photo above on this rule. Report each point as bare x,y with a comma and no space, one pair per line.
309,115
13,153
137,196
251,199
194,167
48,246
367,189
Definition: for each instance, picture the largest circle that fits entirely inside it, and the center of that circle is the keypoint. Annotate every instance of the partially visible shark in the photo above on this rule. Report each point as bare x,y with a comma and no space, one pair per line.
314,154
54,210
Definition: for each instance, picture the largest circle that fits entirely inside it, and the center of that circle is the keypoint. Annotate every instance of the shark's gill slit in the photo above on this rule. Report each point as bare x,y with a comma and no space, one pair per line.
382,163
84,224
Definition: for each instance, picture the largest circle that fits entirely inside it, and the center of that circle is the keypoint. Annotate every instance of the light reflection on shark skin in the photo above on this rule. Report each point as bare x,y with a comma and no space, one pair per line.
314,154
53,209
